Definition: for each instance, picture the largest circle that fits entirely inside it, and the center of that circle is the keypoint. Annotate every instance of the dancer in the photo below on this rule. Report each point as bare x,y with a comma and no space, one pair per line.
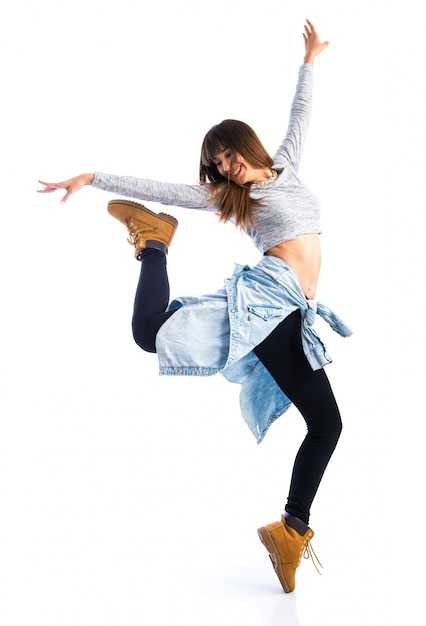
256,330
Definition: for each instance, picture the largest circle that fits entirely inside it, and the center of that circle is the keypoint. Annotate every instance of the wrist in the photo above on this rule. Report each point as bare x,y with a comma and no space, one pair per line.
309,58
88,180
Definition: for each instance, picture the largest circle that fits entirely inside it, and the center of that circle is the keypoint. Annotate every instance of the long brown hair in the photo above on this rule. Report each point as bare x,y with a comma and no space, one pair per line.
232,199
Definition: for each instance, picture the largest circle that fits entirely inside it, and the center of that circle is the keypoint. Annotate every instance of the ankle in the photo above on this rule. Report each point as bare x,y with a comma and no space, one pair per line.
157,245
151,249
296,523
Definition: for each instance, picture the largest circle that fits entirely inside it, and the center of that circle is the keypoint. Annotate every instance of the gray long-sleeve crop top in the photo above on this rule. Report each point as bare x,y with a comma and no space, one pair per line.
288,210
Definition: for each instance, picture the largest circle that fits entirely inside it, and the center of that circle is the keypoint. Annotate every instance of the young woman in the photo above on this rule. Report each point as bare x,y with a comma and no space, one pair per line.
257,330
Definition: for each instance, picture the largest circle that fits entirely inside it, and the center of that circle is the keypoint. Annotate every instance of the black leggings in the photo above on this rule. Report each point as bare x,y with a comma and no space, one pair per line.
151,299
283,356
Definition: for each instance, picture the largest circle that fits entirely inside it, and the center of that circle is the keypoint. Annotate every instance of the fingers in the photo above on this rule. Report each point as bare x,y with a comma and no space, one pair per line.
309,30
311,38
48,187
51,187
47,190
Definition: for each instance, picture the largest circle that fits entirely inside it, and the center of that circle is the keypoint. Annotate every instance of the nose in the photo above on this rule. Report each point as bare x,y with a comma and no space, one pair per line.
226,165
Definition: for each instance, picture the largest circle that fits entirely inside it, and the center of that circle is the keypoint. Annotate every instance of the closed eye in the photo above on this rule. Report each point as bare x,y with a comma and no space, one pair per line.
227,155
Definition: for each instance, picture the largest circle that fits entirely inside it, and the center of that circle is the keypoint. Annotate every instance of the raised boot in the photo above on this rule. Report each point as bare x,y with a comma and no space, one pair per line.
145,228
287,541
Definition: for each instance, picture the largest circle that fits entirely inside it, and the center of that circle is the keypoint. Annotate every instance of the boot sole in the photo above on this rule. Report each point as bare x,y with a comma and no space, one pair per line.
266,538
117,208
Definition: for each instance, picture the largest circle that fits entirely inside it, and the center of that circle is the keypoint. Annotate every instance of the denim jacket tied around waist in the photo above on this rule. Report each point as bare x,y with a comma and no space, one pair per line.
217,333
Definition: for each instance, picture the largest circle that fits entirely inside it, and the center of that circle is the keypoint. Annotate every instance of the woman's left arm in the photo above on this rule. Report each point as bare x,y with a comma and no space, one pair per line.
290,150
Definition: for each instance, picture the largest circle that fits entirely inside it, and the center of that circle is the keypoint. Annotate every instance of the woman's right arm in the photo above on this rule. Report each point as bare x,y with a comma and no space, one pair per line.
170,194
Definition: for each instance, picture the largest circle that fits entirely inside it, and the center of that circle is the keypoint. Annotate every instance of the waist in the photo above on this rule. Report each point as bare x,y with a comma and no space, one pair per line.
303,255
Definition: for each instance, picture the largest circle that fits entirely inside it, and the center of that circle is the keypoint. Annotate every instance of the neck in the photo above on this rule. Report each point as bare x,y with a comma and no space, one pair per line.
263,175
264,179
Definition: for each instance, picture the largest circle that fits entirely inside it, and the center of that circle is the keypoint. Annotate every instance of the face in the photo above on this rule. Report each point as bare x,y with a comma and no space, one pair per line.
232,165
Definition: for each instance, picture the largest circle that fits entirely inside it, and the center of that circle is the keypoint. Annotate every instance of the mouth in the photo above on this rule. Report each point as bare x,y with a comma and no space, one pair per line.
237,172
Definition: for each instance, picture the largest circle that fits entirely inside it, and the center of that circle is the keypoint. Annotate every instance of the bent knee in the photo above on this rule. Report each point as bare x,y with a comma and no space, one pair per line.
328,432
144,341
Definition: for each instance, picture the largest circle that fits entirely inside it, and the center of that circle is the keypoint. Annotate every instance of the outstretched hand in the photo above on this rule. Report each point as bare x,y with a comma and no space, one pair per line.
71,185
313,45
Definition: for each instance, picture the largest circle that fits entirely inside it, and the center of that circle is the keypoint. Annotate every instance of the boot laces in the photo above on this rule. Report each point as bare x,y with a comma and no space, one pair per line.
308,552
137,236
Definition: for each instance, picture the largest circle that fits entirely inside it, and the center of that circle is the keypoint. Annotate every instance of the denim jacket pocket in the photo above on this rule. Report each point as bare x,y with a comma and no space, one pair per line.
263,318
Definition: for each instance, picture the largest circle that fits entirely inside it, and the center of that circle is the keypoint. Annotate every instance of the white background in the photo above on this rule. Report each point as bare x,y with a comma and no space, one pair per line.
129,499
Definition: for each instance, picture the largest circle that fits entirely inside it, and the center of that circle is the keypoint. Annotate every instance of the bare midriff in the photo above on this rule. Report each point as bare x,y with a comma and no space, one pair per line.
303,255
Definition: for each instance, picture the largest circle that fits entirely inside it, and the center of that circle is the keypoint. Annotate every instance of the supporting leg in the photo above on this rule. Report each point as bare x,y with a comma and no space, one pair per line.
282,355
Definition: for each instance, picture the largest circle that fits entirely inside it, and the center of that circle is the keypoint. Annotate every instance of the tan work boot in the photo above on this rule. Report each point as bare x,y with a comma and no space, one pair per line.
287,541
144,226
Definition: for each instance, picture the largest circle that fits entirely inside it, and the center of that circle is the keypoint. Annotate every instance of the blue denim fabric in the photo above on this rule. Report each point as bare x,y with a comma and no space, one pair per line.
217,333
